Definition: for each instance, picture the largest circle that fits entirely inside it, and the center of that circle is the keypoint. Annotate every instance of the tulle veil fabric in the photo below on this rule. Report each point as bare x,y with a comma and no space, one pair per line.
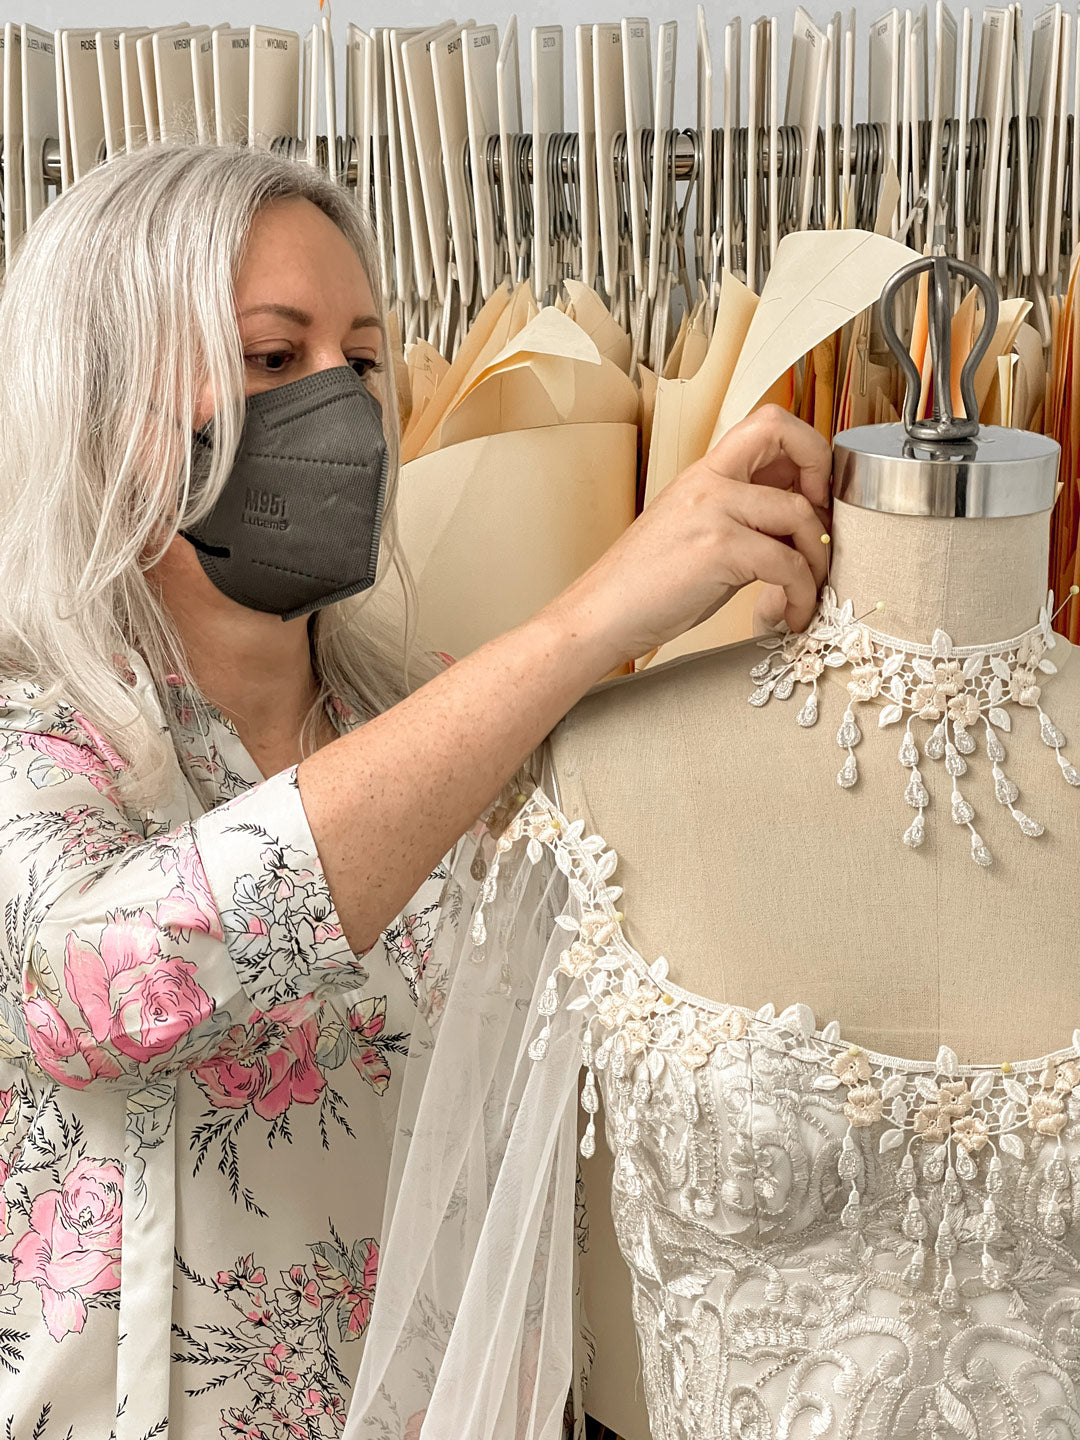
476,1332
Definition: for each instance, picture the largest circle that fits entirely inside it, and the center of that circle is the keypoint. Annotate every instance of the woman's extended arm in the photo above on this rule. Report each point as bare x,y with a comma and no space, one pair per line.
386,802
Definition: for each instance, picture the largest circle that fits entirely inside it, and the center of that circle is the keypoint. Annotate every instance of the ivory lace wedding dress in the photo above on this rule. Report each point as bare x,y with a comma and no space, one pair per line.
823,1241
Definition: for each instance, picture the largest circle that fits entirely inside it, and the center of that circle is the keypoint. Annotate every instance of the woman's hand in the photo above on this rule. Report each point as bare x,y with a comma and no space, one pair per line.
388,800
753,509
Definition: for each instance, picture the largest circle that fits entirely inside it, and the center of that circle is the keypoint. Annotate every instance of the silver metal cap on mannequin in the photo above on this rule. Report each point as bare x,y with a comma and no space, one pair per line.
944,465
1002,472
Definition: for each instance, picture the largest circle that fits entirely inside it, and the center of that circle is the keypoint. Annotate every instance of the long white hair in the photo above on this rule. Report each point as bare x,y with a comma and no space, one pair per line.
118,310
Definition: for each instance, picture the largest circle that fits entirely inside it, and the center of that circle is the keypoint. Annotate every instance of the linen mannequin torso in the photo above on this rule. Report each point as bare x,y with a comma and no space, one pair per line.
760,879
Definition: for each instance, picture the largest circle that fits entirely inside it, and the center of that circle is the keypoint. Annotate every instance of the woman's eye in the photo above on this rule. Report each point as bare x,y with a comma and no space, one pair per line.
363,365
272,361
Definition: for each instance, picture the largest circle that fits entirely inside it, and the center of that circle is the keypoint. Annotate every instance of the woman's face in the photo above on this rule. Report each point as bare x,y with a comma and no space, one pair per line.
303,302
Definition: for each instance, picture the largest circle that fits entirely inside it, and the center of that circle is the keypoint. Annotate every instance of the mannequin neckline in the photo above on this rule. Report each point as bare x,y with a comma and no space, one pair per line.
830,611
949,1124
589,865
943,573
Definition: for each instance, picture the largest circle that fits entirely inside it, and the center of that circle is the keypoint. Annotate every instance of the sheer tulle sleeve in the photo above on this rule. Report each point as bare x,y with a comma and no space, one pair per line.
475,1332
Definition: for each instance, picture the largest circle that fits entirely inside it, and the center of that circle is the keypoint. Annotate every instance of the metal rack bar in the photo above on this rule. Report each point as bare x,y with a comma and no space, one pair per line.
864,138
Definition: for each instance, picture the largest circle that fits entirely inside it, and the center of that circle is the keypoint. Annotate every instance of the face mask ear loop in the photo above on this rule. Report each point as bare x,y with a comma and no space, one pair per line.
221,552
201,440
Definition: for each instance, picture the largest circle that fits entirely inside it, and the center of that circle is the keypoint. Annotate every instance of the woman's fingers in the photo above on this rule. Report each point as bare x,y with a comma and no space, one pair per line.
770,605
785,516
713,530
774,448
780,565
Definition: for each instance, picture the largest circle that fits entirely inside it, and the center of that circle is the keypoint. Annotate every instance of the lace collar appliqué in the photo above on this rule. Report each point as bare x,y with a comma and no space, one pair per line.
956,689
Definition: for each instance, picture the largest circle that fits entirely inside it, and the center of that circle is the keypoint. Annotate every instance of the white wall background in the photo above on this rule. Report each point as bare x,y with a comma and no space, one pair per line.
299,15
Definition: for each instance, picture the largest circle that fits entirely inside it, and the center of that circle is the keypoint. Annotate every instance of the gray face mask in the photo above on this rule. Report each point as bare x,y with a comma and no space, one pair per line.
297,525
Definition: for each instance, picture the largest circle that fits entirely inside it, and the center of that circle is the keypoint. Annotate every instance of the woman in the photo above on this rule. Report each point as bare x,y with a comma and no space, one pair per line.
206,972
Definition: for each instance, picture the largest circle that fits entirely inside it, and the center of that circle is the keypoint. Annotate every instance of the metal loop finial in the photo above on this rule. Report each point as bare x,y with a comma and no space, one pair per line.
944,426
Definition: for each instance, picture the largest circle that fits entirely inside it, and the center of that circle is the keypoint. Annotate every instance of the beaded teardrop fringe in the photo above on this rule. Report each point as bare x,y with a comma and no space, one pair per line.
956,689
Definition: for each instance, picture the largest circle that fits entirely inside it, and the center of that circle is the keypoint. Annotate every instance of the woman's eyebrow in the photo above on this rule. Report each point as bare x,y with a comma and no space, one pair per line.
301,317
285,312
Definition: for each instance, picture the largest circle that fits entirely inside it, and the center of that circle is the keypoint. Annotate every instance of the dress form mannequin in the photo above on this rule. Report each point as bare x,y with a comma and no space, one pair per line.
760,879
810,895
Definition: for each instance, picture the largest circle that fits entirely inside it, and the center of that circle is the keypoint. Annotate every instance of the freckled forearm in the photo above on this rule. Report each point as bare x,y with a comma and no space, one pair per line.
386,802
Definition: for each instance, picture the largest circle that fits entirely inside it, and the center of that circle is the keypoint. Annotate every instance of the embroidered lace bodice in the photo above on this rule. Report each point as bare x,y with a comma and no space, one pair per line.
823,1242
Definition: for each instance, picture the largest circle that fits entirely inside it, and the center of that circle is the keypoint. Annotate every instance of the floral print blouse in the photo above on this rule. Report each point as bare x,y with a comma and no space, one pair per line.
198,1085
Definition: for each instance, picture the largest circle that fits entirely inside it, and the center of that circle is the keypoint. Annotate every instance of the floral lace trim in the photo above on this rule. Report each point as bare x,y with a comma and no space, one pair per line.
954,1123
954,688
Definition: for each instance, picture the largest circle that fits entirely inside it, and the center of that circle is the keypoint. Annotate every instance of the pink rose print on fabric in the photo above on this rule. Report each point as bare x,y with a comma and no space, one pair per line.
268,1066
65,759
70,1056
236,1077
264,1067
72,1250
189,905
131,995
294,1073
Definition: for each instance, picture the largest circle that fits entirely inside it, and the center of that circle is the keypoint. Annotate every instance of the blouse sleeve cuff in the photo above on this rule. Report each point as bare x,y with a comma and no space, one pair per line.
279,921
